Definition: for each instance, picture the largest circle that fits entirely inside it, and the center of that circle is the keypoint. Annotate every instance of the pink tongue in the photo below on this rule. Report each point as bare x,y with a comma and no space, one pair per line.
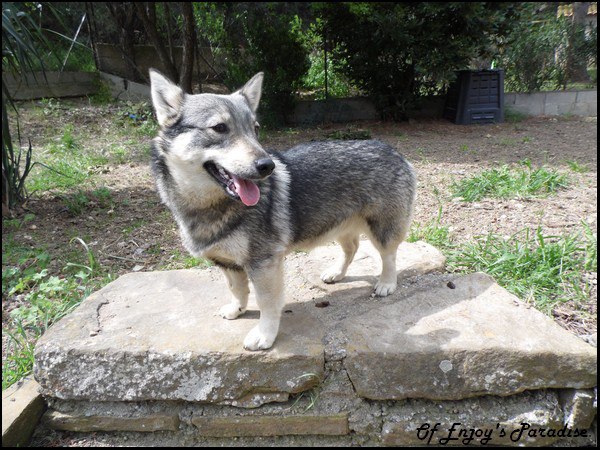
247,190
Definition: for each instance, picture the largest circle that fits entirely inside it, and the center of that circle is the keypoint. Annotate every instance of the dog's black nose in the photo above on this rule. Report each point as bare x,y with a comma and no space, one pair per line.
265,166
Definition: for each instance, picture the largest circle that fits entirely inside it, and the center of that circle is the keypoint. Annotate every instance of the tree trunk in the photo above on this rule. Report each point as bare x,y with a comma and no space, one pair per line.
148,19
189,44
576,62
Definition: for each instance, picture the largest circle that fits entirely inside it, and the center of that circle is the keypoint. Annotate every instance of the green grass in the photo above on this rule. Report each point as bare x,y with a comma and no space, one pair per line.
432,232
506,182
43,298
63,164
542,269
513,116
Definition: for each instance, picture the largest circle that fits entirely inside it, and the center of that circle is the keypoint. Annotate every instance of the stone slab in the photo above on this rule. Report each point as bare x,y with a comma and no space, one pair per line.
22,407
469,340
243,426
88,423
412,259
156,336
514,421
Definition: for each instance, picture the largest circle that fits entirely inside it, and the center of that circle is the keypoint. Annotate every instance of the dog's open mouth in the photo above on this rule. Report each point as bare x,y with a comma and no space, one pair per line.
239,188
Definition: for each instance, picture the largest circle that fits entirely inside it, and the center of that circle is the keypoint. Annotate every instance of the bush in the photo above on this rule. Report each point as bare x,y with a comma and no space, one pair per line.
269,43
397,52
542,50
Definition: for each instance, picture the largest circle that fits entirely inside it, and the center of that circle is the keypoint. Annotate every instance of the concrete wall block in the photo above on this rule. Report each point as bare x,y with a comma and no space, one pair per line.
561,97
51,85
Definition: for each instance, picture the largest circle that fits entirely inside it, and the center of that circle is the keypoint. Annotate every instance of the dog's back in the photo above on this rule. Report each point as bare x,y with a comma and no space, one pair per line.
336,181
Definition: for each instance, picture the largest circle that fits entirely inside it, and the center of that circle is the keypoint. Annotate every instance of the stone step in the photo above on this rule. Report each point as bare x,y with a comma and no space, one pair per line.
156,336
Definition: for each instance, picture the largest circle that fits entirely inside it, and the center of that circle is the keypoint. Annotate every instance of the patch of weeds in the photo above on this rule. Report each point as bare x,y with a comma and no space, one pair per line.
504,182
17,224
119,153
577,167
507,142
540,269
134,225
514,116
103,94
64,165
466,149
37,298
103,197
138,116
76,203
50,106
181,260
311,395
433,232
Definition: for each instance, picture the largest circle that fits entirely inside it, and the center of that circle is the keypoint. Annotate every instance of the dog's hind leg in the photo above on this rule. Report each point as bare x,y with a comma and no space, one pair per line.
269,288
238,284
388,280
349,243
386,236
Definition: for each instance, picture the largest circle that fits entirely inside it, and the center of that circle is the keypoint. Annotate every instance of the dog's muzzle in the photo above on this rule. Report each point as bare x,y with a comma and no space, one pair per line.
243,189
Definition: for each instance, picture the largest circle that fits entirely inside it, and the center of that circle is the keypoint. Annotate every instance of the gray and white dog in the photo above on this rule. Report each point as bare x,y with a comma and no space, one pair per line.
245,208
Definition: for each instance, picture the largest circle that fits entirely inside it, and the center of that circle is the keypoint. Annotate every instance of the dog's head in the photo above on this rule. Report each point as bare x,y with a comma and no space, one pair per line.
212,134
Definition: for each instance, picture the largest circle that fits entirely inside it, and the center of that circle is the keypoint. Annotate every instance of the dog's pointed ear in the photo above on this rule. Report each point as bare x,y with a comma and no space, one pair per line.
167,98
252,90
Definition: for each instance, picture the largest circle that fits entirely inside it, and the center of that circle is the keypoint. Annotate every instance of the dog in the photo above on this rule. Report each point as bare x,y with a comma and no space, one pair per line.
245,208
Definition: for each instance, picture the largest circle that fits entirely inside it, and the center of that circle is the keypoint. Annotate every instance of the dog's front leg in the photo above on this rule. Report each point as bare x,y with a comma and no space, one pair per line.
238,284
268,284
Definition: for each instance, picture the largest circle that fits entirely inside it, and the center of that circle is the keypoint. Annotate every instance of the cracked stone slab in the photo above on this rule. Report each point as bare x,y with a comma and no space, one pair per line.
156,336
461,340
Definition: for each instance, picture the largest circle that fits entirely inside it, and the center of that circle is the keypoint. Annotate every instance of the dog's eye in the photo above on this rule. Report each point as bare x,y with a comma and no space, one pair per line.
220,128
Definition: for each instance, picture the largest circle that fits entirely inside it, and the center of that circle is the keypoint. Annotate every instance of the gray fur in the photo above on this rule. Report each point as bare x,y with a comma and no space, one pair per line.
318,191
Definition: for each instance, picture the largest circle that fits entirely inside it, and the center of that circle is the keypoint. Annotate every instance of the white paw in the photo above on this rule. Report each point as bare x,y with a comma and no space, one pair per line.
231,311
331,275
255,340
384,289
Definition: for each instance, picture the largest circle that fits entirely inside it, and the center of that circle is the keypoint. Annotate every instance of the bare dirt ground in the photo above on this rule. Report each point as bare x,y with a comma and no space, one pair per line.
134,231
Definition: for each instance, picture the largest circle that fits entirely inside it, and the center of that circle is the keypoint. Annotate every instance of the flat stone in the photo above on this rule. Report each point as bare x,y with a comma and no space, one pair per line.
520,420
86,423
156,336
22,407
580,407
453,343
255,425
